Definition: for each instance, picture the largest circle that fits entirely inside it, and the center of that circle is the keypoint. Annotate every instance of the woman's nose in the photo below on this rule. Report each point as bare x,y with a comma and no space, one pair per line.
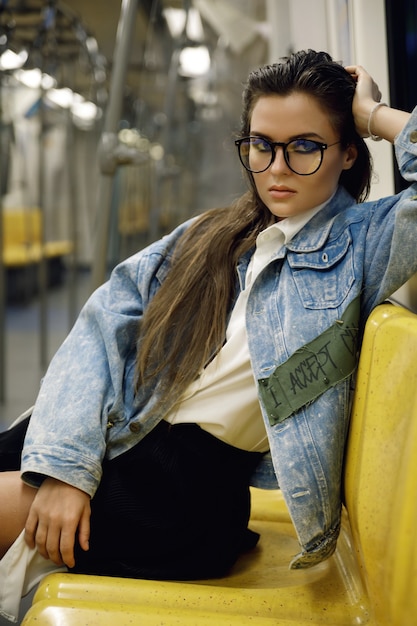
279,163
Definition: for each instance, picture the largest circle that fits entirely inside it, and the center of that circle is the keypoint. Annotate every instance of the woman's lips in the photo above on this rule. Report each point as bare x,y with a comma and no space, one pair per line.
281,192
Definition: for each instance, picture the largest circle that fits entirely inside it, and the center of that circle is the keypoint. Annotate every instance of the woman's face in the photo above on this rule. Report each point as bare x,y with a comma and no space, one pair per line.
298,115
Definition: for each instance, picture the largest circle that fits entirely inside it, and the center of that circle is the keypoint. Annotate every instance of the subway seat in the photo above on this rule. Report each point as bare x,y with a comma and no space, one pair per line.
25,248
372,577
22,244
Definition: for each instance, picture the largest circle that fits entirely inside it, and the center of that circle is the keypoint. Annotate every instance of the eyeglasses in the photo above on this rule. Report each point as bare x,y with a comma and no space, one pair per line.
303,156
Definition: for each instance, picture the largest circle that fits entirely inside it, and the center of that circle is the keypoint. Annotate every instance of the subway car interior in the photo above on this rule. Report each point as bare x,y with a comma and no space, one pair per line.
117,123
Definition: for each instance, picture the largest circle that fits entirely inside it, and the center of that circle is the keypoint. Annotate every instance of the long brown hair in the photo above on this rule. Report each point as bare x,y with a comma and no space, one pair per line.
185,323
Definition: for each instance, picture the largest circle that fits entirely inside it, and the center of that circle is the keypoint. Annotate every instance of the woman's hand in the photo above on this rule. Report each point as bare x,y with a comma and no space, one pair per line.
383,121
367,94
57,513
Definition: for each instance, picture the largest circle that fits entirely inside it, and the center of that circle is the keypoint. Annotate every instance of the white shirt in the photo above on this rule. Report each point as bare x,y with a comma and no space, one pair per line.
224,399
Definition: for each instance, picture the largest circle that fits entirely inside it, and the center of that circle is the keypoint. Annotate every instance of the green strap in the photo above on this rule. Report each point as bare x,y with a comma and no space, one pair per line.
312,369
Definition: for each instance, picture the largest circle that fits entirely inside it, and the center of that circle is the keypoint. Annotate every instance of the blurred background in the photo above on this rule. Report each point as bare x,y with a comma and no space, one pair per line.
117,121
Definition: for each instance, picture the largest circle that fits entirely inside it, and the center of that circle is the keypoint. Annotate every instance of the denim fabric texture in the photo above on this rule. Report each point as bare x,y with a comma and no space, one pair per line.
87,409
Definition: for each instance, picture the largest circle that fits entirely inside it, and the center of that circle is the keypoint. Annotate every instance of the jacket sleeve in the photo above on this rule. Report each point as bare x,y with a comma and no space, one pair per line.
390,255
87,379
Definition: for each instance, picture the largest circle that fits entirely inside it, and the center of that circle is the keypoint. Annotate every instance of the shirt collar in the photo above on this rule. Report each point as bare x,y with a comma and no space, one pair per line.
290,226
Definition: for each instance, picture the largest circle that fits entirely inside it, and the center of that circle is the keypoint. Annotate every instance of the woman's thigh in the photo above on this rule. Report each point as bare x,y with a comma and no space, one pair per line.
16,499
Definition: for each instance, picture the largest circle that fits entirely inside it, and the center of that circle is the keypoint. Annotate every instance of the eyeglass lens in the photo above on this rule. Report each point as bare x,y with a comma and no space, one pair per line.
303,156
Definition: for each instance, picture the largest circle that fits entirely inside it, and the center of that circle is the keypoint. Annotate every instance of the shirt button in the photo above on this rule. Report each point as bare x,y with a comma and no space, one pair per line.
135,427
413,136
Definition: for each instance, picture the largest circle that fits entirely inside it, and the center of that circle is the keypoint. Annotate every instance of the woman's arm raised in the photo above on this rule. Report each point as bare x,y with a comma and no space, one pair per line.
382,121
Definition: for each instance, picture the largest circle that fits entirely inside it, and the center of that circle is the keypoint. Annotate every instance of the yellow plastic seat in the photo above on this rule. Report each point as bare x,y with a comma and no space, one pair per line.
381,466
372,577
22,239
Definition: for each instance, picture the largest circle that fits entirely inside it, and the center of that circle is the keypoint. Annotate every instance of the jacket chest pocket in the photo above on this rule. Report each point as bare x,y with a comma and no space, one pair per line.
324,277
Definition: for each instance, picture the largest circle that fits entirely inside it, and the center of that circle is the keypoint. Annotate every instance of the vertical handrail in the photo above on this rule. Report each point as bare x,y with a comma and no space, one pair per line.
72,221
2,277
43,264
73,229
124,37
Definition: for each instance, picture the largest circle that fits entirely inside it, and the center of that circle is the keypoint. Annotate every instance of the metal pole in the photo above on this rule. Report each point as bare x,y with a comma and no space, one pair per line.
117,84
43,263
73,220
2,280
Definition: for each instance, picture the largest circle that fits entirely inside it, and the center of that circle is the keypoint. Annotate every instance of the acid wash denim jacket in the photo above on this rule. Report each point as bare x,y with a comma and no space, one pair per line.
349,258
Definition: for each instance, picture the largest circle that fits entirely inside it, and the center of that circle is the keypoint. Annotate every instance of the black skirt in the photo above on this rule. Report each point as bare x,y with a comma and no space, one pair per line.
174,507
11,444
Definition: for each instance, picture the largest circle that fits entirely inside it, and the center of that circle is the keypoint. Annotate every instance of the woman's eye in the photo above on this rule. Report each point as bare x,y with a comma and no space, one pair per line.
303,145
261,145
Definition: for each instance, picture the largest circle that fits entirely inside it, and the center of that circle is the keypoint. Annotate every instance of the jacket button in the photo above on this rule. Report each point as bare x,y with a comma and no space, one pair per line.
135,427
413,136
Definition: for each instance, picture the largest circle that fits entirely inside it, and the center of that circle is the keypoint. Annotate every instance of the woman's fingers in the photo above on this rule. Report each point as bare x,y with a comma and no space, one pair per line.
57,512
84,530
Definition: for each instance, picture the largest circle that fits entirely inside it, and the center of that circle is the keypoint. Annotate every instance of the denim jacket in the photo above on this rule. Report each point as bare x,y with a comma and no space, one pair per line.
348,252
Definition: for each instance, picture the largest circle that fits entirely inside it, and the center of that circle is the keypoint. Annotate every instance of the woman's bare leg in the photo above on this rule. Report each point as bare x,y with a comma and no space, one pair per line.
15,501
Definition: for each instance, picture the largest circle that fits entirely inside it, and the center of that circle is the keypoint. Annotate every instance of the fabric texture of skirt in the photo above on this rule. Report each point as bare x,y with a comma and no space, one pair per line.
174,507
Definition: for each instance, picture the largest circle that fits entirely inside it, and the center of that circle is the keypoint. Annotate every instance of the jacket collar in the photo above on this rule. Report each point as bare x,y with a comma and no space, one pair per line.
316,231
312,236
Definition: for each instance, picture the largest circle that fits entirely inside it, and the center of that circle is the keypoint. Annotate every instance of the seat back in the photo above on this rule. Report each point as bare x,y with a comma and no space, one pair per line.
21,226
381,465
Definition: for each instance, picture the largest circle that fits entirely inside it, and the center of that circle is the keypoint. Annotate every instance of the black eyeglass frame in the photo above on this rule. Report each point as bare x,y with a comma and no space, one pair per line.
284,145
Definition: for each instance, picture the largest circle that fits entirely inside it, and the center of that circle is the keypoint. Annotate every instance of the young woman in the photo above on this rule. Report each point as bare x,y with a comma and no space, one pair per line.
224,354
